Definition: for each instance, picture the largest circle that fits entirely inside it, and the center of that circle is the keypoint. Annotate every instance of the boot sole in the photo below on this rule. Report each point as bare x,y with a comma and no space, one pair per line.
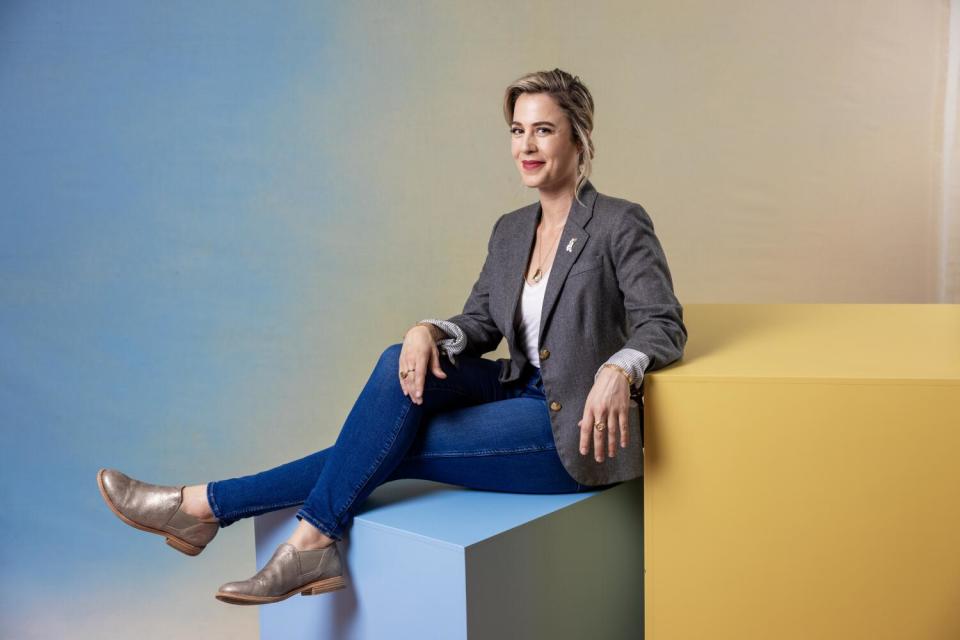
180,545
311,589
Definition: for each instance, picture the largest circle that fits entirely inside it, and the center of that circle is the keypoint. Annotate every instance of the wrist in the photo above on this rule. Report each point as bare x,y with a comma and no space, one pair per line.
436,334
621,371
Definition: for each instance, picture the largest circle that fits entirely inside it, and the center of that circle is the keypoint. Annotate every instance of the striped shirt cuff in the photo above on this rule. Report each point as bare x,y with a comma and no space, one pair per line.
633,362
450,346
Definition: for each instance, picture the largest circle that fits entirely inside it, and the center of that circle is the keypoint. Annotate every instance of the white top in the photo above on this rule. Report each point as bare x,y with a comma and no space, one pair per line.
527,322
529,310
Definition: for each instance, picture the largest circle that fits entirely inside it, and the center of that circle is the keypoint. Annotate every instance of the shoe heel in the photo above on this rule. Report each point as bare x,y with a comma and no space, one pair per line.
184,547
330,584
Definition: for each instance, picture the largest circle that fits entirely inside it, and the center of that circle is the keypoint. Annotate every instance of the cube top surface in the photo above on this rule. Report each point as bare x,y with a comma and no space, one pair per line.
828,342
455,515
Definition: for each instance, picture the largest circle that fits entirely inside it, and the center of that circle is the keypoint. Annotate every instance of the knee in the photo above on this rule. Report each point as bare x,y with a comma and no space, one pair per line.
390,357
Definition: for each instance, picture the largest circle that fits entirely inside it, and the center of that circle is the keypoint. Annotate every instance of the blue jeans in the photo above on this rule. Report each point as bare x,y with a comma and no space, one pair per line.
471,430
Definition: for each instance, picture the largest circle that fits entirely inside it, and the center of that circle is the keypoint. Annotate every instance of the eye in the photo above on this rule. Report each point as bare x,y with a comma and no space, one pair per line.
517,130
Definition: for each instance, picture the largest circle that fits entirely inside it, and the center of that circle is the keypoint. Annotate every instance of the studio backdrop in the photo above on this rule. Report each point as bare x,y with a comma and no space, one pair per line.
216,215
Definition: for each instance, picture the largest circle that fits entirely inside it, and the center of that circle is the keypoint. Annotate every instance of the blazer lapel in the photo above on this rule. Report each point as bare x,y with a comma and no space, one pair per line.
573,237
516,265
572,241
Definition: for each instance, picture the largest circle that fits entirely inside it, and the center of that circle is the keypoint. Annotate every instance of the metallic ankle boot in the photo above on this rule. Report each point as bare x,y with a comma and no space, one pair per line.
157,509
288,572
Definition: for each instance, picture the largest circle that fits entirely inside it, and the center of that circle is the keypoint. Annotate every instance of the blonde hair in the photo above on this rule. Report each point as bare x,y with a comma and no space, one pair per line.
574,99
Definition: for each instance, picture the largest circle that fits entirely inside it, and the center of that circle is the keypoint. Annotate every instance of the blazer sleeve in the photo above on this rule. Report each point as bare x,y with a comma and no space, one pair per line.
476,321
456,340
654,315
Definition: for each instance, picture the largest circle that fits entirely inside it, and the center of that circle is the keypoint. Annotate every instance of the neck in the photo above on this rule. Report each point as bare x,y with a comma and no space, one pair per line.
555,205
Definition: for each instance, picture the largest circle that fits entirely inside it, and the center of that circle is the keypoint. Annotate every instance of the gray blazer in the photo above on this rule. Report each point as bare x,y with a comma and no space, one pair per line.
609,288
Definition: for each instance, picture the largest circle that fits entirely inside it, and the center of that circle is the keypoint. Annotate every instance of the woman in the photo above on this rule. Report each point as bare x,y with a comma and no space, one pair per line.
578,285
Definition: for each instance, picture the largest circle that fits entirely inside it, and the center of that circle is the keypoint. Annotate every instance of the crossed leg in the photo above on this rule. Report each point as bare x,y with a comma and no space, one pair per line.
471,430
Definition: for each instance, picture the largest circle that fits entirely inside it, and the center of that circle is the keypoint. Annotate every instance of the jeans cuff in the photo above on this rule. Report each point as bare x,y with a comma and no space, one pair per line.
303,514
224,522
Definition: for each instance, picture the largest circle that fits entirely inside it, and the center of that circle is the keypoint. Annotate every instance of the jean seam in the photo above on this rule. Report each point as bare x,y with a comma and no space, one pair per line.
376,463
480,453
278,505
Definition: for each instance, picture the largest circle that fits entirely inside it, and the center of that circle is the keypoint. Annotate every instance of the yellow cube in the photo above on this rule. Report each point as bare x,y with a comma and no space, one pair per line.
802,475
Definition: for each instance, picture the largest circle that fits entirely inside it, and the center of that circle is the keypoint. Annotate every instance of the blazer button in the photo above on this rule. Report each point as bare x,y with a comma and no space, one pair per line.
544,354
555,405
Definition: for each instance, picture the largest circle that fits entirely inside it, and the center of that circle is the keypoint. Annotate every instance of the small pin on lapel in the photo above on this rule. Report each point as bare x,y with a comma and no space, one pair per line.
570,245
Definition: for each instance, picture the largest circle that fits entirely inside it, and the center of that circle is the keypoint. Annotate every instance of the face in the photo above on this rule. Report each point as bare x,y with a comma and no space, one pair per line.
543,147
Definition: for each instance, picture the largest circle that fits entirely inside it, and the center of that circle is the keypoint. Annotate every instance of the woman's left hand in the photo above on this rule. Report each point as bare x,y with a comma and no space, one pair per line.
608,402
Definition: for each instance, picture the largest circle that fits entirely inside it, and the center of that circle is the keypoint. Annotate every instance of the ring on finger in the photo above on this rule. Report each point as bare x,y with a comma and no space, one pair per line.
599,426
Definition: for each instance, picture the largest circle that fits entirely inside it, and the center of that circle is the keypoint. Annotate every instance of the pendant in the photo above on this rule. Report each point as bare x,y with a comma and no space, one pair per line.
537,276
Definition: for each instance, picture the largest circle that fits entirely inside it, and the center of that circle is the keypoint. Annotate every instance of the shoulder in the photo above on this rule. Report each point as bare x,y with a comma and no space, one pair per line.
611,213
514,220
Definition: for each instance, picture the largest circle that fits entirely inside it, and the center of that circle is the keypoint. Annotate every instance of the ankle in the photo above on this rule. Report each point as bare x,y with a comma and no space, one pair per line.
309,546
195,502
307,537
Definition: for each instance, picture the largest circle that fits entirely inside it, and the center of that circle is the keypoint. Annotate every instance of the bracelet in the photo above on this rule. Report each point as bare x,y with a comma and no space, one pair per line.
622,371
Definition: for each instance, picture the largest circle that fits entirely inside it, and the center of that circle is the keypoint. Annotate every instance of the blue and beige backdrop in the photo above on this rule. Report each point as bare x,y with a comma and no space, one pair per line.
215,215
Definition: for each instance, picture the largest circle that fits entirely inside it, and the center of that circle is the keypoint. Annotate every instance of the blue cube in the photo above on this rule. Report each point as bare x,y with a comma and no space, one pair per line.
429,560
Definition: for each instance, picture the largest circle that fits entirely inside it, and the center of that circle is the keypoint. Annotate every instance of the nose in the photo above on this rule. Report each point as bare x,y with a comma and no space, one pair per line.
528,142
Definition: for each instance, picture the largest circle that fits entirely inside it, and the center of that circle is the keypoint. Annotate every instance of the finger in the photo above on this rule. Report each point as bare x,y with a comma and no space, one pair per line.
420,376
625,429
435,363
412,380
613,433
599,436
400,367
585,426
407,364
405,380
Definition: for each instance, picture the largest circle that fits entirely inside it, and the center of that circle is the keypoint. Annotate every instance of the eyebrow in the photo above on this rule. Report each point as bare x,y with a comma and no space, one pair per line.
535,123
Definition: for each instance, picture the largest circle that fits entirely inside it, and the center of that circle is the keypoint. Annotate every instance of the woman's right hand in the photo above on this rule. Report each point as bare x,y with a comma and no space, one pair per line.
419,351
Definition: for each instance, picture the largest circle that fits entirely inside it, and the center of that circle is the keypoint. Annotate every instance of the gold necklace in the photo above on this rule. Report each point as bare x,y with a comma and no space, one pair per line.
539,272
